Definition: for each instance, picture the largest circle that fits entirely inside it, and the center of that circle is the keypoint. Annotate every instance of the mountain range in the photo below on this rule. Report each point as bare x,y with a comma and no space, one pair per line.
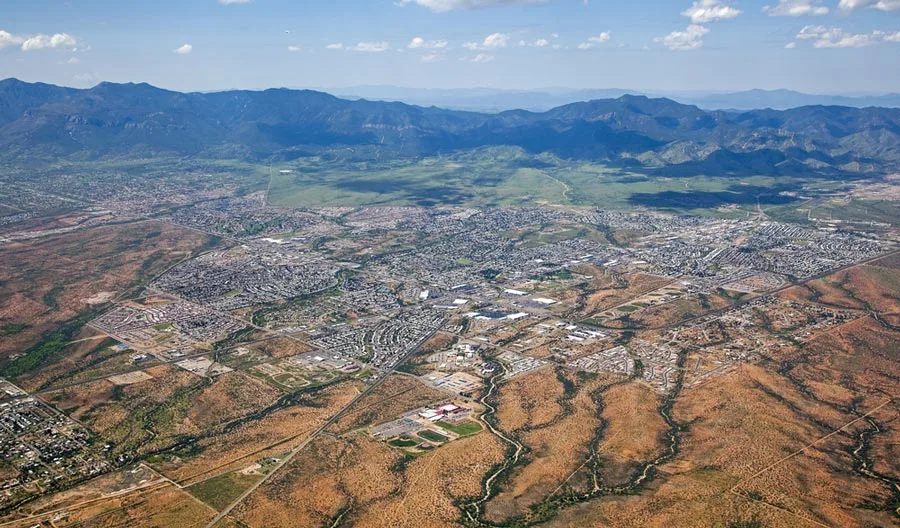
496,100
46,123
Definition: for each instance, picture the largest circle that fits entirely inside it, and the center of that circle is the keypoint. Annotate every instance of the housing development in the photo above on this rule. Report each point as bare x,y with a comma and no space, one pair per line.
400,333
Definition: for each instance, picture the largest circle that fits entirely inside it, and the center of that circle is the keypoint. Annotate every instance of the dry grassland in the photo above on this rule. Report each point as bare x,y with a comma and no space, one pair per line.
46,281
393,397
636,285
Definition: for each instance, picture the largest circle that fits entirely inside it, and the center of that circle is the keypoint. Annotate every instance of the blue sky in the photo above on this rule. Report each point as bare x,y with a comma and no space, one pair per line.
821,46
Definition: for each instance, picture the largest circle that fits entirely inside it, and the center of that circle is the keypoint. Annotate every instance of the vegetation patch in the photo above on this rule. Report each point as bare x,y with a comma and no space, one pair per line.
463,429
53,344
432,436
12,329
403,442
221,491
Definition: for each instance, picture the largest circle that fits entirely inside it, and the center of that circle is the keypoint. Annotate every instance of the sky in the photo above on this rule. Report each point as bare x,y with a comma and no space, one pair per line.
816,46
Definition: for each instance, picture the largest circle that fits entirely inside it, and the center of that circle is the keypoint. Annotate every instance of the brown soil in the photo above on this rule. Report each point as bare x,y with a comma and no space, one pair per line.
634,430
551,460
530,401
161,506
328,476
283,347
393,397
120,257
272,435
637,284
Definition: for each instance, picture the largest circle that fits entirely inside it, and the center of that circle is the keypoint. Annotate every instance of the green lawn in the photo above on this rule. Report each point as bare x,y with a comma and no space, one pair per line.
463,429
432,436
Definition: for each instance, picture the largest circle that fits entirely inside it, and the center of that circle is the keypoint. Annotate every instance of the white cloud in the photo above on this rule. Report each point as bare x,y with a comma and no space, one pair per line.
790,45
73,60
420,43
295,49
832,37
336,46
593,41
887,5
704,11
496,40
371,47
444,6
483,57
891,37
62,40
57,41
492,41
235,2
541,43
185,50
8,39
689,39
881,5
796,8
432,57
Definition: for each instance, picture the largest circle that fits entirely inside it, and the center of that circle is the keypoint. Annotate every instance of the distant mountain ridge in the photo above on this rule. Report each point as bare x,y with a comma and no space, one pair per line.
44,122
491,100
787,99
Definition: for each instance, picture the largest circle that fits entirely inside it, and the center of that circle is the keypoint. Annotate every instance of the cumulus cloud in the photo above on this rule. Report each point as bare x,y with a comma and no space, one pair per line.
492,41
594,41
185,50
832,37
689,39
336,46
371,47
891,37
701,12
420,43
496,40
444,6
483,57
432,57
881,5
790,45
705,11
541,43
796,8
57,41
8,39
295,49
